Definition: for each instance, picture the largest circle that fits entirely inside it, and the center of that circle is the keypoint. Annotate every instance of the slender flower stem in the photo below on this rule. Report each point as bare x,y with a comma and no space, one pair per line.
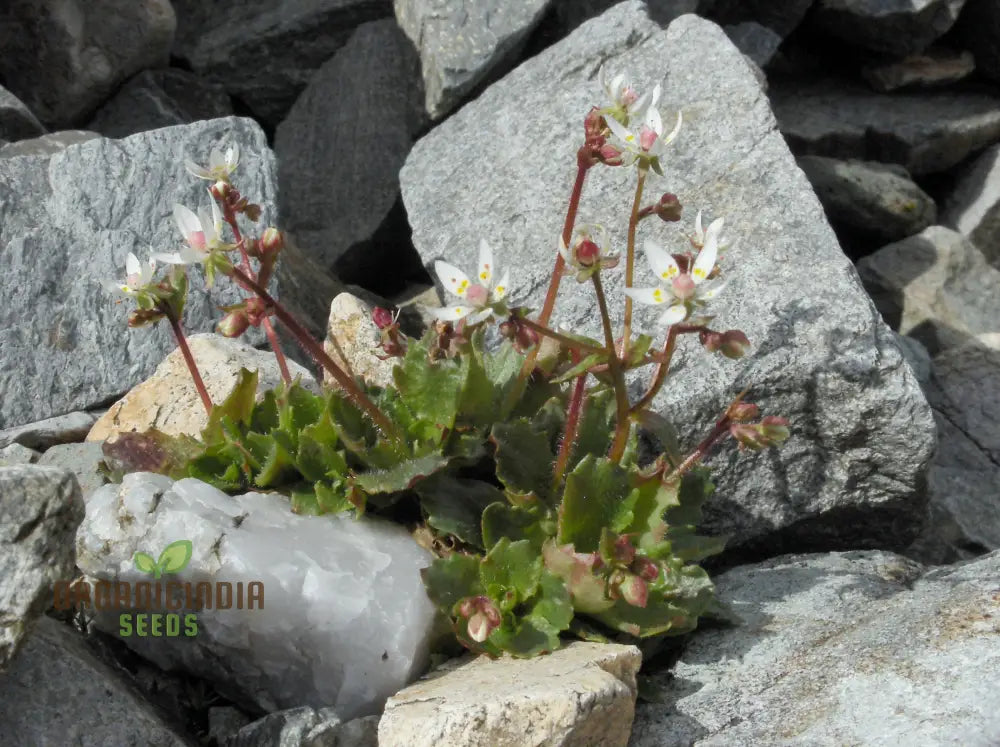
557,271
272,337
569,342
633,223
573,413
199,384
617,377
720,429
314,349
662,367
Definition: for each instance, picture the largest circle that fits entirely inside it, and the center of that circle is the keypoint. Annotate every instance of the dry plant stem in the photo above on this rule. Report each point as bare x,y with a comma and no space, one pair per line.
633,223
199,384
272,337
557,271
569,342
573,413
720,429
617,377
314,349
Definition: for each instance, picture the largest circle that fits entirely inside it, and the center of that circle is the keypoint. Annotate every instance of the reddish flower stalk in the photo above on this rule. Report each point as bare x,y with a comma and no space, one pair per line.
272,337
199,384
617,376
574,411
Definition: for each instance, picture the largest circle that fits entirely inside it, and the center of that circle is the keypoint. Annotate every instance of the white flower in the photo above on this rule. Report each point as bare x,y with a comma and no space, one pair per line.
643,137
700,235
202,234
682,290
138,275
623,95
480,297
220,164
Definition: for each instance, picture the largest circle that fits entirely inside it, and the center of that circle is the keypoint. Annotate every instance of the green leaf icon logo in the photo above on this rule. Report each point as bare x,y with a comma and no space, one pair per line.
175,557
145,563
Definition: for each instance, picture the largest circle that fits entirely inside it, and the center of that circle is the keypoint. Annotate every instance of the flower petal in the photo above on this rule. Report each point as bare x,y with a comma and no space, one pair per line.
710,291
479,316
485,264
618,129
706,257
649,296
500,292
195,170
186,220
232,157
674,132
132,265
676,313
699,232
660,260
451,313
452,278
653,120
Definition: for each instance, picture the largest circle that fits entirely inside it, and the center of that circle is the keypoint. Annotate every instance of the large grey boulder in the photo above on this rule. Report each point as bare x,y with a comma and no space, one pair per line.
781,16
40,510
571,13
58,692
16,120
935,286
462,41
973,206
66,344
895,27
342,618
265,51
926,132
851,648
862,431
873,199
61,429
160,98
342,144
62,58
79,459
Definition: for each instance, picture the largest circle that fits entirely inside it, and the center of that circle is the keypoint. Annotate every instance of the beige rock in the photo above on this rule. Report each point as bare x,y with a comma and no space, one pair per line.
581,695
168,400
352,336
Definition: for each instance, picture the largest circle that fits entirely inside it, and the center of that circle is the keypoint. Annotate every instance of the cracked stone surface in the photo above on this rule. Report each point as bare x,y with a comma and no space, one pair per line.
862,433
845,648
583,694
40,510
345,621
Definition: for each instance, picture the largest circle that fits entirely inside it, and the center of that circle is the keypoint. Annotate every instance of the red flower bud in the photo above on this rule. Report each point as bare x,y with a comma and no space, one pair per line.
775,429
668,208
587,253
634,590
742,412
382,317
234,323
734,344
256,311
221,190
272,241
646,569
624,552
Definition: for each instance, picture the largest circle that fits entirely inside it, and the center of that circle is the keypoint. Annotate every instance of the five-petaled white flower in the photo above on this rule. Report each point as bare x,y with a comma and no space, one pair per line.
682,290
623,95
138,275
643,138
220,164
202,234
480,297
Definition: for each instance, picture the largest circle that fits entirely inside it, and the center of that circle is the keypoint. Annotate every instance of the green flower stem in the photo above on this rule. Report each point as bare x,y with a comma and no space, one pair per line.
302,336
583,165
573,412
272,337
569,342
199,384
633,223
617,376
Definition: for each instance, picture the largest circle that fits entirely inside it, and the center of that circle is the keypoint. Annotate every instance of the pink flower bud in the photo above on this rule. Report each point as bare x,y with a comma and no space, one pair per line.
593,124
742,412
647,137
610,155
646,569
587,253
220,190
629,97
482,615
734,344
634,590
272,240
234,323
669,208
684,286
382,317
256,311
711,340
748,435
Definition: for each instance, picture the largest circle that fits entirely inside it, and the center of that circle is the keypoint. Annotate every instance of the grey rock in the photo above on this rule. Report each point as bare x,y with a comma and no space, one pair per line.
852,648
15,454
979,29
359,732
306,727
63,59
40,509
817,340
873,199
973,207
45,145
462,41
344,622
16,120
896,27
916,355
66,343
80,459
57,692
224,722
926,132
160,98
757,42
935,286
265,51
342,144
781,16
571,13
921,71
61,429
